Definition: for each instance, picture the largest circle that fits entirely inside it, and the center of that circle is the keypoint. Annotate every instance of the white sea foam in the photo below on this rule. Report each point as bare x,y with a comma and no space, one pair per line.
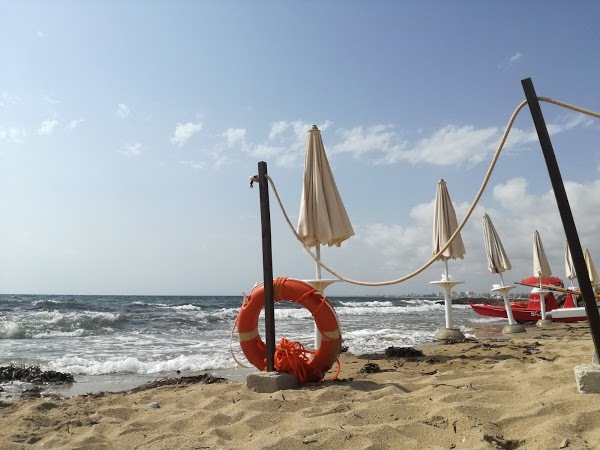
367,304
10,329
188,307
55,334
135,365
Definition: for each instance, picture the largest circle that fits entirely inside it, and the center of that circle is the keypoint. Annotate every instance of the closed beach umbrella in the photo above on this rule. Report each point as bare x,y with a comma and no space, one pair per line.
496,255
569,267
444,226
590,267
497,263
541,267
323,219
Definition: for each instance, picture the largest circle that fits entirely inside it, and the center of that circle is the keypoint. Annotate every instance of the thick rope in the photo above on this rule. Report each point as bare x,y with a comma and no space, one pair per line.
460,226
233,328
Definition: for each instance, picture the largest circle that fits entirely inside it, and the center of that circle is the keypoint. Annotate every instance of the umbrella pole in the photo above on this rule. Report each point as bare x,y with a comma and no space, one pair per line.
318,252
543,305
318,335
446,270
509,313
513,326
448,307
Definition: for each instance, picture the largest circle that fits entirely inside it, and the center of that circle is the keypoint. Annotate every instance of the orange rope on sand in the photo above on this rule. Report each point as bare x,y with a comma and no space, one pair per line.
292,357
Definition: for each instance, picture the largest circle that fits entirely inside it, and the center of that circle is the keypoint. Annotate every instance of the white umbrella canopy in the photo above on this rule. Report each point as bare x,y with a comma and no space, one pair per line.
444,226
323,218
541,267
496,255
569,266
591,267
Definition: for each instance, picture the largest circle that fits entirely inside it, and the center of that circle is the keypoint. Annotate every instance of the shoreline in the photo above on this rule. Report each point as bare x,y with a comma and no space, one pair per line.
509,392
124,382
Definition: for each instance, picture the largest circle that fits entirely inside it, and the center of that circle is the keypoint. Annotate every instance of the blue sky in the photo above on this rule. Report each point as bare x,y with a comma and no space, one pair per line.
128,132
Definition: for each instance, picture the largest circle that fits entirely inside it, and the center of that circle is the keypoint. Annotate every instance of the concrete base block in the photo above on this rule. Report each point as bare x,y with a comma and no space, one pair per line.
587,378
510,329
543,323
265,382
449,334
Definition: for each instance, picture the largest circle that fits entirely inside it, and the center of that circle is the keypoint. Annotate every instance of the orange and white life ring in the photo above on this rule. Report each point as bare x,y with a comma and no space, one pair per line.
304,294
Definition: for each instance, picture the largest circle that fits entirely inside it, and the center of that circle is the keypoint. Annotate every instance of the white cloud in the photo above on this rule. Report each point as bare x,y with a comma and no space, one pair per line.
516,57
510,61
184,131
235,136
74,123
122,111
132,149
265,151
517,213
50,100
193,164
447,146
277,128
39,34
376,138
219,159
8,99
14,135
286,142
450,145
47,127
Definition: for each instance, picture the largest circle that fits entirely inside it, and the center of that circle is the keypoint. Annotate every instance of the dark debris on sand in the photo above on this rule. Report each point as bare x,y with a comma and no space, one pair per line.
33,374
370,368
206,378
402,352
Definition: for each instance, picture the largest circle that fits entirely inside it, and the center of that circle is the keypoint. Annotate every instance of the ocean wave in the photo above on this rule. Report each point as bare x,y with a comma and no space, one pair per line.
10,329
47,324
133,365
366,341
367,304
387,310
187,307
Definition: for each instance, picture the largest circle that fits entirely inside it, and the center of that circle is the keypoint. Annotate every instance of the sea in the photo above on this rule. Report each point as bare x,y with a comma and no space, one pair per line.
115,343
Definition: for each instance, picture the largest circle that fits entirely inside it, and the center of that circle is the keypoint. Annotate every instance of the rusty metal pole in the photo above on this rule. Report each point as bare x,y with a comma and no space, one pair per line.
265,219
566,215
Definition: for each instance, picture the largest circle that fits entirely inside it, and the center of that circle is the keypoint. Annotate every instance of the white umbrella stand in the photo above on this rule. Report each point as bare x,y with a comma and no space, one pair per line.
444,226
497,263
541,269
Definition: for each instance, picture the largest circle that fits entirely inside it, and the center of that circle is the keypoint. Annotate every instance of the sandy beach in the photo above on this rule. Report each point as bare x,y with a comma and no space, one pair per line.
489,392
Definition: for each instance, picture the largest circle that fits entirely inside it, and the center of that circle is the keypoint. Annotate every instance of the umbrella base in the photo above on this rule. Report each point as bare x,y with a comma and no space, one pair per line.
543,323
510,329
449,335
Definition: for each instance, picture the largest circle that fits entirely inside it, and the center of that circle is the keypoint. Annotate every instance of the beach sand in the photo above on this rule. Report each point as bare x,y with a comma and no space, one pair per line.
515,393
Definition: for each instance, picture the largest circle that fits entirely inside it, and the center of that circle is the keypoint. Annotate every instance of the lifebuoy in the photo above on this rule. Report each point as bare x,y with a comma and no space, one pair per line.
304,294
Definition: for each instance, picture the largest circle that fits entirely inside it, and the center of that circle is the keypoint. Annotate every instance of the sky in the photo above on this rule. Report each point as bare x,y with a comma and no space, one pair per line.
129,130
